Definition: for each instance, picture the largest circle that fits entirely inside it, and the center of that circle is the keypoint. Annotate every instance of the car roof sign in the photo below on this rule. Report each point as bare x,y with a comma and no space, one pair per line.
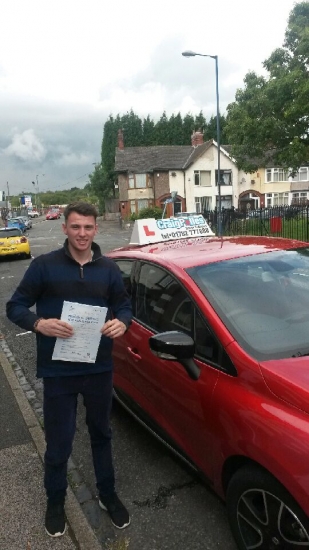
150,231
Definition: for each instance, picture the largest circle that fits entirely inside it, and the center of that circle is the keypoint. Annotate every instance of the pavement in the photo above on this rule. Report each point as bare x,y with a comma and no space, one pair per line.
22,495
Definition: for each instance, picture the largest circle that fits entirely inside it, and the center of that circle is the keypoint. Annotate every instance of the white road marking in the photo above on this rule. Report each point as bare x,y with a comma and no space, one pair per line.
23,333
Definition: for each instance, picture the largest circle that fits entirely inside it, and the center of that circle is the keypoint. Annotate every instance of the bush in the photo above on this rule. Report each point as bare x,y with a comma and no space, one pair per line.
154,212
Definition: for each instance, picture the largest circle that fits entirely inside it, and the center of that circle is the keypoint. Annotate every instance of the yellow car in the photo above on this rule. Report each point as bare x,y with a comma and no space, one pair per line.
13,242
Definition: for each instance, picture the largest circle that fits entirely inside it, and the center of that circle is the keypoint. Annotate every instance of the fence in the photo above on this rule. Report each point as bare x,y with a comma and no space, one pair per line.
291,222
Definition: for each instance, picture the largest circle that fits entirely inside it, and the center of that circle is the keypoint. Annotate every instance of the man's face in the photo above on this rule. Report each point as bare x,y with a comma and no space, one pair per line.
80,231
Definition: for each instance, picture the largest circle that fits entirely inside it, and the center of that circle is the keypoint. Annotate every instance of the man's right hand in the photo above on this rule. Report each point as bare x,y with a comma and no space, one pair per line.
54,327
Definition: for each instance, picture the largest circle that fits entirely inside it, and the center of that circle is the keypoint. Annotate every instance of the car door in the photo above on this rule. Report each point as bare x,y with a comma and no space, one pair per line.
185,404
135,373
144,380
183,407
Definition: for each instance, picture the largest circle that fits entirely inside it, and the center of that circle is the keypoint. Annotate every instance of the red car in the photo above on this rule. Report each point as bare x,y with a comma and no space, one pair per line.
53,215
216,365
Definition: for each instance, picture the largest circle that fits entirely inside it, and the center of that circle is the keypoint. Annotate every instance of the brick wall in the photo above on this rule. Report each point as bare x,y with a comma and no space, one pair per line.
161,185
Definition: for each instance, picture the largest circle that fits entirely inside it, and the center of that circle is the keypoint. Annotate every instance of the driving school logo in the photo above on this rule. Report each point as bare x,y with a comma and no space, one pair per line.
181,223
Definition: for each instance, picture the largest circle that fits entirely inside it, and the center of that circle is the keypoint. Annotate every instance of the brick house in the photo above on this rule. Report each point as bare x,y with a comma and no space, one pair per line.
148,175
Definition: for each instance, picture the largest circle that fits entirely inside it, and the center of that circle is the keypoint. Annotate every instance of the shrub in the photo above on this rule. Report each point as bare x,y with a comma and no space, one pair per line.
154,212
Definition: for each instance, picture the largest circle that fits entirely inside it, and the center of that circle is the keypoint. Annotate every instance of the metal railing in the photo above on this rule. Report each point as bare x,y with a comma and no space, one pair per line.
290,222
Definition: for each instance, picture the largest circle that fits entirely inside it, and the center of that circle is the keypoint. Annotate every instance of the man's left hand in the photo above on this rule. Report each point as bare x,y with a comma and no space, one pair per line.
114,328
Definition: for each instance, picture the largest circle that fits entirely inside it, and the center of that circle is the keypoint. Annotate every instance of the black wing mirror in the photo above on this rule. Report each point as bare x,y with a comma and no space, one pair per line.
176,346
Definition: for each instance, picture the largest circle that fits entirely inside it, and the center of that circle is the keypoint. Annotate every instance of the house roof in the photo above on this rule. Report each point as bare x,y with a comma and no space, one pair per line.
158,157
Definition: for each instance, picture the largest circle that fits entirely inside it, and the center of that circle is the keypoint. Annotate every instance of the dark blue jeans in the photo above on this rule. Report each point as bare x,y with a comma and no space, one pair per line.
60,404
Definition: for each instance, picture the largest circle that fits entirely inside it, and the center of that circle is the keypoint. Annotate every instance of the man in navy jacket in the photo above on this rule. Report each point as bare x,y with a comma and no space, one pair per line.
78,273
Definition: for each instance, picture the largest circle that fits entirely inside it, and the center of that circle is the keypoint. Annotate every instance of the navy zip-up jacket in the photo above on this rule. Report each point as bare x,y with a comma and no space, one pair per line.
54,277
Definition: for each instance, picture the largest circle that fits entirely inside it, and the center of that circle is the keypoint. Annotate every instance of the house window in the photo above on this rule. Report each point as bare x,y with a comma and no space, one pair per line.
137,205
198,205
131,181
302,174
277,199
137,181
202,177
206,204
300,198
280,199
140,180
274,175
142,203
225,177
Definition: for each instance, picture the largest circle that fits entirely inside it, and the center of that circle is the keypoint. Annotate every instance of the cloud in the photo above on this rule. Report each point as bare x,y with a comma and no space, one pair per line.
74,159
26,146
173,83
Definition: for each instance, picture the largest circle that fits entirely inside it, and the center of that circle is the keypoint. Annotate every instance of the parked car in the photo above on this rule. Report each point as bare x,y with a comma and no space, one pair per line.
53,215
215,365
17,222
33,214
185,214
27,221
286,212
13,242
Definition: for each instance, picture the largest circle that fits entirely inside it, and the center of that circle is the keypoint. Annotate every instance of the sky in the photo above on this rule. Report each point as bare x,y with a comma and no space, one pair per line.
66,65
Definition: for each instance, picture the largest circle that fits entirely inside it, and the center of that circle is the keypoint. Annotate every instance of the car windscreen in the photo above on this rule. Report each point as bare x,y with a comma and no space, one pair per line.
14,232
263,300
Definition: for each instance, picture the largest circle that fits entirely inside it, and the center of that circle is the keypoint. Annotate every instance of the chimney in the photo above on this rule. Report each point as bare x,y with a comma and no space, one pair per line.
197,138
120,139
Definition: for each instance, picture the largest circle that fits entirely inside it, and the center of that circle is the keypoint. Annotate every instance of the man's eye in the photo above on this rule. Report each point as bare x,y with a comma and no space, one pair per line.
86,227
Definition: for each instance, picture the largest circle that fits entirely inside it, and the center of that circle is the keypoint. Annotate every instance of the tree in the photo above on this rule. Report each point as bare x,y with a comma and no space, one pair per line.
162,133
148,131
210,131
269,121
176,130
132,127
200,122
99,185
188,128
103,177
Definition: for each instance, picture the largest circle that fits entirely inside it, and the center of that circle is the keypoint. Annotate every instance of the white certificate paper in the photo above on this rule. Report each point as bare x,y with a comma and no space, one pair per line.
87,322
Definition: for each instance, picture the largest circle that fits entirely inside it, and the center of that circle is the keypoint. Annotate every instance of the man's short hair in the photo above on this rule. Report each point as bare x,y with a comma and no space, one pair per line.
82,208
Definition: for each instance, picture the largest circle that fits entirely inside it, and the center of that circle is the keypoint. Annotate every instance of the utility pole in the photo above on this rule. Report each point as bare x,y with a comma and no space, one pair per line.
8,196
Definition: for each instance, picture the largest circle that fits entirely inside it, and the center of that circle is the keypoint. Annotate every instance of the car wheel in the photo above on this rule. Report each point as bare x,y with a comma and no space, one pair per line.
262,514
27,256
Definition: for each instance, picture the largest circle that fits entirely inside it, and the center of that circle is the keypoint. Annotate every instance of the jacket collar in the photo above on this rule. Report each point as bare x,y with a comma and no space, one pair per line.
94,247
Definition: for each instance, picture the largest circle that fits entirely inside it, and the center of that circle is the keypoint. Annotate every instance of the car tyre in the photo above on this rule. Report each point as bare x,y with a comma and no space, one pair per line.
27,256
262,514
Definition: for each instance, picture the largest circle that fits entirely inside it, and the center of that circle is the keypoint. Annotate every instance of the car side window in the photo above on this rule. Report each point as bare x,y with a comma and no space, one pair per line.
127,268
206,345
162,303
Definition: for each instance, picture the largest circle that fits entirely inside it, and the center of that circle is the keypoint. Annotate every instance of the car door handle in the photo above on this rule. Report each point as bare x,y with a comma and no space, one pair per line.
134,353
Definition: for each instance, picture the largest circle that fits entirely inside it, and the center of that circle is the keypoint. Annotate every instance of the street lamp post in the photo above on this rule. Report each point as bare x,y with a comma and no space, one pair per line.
38,197
189,53
33,183
8,196
36,190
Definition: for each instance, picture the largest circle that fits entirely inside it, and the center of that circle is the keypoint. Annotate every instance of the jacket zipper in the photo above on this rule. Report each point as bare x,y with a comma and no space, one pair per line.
81,268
